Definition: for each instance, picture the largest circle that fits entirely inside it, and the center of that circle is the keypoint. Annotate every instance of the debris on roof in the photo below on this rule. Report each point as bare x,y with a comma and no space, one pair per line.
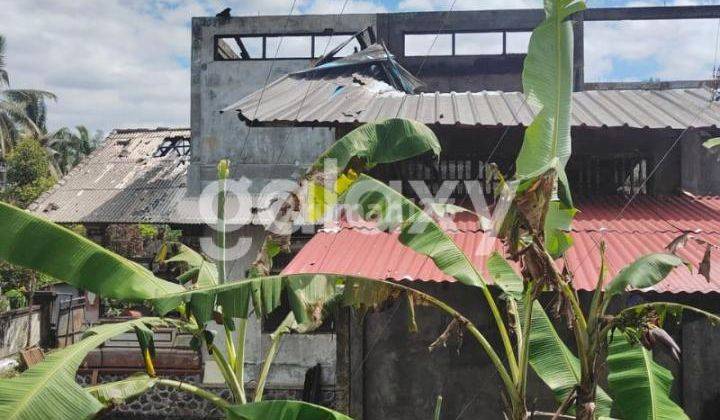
125,180
649,225
370,86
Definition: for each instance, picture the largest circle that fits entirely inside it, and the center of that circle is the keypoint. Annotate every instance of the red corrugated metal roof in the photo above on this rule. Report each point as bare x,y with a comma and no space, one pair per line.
649,214
358,249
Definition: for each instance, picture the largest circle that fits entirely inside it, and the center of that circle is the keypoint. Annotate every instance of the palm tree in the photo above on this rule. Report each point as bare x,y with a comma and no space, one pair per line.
20,109
67,148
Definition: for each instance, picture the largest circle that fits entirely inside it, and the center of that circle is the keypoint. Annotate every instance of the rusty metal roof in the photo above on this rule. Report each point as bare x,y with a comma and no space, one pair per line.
363,251
328,99
121,182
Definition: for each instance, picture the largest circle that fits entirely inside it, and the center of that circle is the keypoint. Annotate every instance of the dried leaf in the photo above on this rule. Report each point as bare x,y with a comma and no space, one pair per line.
678,243
704,267
533,202
457,324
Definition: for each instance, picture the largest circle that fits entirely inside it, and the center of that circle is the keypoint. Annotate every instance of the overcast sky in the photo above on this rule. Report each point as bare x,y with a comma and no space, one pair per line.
125,63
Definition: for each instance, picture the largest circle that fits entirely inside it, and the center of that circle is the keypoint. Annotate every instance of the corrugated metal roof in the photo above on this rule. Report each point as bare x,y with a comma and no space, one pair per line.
361,250
121,182
649,214
330,99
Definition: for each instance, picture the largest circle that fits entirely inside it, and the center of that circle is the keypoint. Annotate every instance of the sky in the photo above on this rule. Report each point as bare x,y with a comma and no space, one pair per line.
125,63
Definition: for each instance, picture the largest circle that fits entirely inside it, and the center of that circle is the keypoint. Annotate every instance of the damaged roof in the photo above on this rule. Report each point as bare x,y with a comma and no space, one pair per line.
360,89
135,176
641,231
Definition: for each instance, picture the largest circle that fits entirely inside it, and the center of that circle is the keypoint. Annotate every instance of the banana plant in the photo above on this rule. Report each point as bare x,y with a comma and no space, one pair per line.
35,243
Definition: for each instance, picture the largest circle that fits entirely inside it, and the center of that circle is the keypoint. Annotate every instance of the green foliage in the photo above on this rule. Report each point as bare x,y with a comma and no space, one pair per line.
27,163
282,410
16,298
549,357
35,243
366,146
712,144
115,393
48,389
148,231
639,386
418,230
646,271
28,173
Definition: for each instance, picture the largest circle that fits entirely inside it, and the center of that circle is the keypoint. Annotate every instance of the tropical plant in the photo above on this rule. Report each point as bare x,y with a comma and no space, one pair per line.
28,174
20,109
67,148
34,243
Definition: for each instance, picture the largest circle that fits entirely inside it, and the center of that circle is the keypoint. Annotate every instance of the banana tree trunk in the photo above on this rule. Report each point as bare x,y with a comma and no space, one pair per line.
585,401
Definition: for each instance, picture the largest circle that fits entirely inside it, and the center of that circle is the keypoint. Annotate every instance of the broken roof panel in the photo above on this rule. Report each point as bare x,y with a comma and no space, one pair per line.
122,182
370,86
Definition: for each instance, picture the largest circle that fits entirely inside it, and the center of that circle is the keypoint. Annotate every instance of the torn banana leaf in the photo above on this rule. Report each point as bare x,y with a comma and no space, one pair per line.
48,389
366,146
38,244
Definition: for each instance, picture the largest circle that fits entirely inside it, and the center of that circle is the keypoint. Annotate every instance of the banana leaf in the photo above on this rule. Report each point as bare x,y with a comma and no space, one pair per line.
549,357
48,389
35,243
712,143
115,393
306,292
282,410
646,271
373,199
548,84
202,273
640,387
370,144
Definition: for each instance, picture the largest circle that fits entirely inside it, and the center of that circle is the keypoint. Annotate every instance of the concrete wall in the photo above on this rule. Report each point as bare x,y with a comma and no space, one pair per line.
391,374
264,153
700,167
14,330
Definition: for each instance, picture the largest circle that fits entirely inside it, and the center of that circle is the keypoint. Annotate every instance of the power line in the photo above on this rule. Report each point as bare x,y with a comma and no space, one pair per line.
437,35
267,79
652,173
307,92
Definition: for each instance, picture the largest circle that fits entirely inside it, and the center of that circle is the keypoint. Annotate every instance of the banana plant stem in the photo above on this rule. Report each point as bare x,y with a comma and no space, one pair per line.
206,395
237,390
500,322
230,346
241,329
262,379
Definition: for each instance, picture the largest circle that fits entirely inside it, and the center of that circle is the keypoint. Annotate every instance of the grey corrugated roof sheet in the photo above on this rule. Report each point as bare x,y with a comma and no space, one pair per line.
331,99
121,182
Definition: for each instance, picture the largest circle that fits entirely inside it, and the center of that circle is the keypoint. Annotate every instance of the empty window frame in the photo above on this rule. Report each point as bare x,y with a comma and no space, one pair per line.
479,43
428,44
173,145
323,44
289,46
293,46
239,47
466,43
517,42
